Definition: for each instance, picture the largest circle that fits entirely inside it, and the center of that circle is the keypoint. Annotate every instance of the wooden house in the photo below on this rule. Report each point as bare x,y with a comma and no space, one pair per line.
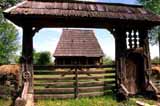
78,47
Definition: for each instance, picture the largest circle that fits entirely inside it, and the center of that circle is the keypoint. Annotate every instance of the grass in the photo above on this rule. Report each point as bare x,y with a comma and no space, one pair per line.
95,101
5,102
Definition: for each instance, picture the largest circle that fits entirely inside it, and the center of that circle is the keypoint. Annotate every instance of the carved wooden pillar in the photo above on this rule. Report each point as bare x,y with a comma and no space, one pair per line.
120,48
27,56
144,43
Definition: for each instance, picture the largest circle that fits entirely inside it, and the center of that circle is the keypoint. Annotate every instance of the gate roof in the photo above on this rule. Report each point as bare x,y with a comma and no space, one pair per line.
63,13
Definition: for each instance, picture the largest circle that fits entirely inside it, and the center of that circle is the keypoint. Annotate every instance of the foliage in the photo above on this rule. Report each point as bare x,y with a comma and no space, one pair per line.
107,60
42,58
155,60
9,41
4,102
154,6
8,3
8,35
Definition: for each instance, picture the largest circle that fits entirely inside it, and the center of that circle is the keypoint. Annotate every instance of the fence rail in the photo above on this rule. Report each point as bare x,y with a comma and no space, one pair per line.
73,81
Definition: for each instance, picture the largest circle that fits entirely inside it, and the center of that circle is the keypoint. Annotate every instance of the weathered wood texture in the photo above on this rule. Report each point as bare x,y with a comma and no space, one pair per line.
77,84
132,60
79,14
27,56
52,67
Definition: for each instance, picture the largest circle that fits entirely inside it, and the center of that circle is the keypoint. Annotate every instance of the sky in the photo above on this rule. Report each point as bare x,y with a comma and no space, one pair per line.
47,38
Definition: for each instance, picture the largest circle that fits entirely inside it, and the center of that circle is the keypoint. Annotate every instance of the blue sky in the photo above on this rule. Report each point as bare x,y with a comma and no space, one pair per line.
47,38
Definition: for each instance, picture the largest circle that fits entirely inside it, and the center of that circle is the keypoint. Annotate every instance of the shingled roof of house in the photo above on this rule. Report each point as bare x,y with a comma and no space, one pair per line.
81,43
71,8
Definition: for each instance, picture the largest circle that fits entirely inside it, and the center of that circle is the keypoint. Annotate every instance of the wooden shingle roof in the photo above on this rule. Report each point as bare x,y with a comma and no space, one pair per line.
69,9
81,43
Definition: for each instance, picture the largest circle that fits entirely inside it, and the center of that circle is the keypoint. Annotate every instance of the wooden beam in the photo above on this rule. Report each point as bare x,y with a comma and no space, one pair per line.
76,83
144,43
52,67
27,55
120,45
69,72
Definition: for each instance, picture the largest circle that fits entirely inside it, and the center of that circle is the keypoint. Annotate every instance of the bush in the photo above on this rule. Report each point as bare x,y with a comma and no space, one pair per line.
107,60
155,60
42,58
7,86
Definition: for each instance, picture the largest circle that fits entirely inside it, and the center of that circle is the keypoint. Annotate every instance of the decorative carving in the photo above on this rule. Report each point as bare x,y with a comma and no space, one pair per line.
26,75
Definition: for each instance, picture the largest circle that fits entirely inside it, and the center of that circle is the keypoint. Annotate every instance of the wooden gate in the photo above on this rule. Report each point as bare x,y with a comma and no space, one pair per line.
63,82
135,78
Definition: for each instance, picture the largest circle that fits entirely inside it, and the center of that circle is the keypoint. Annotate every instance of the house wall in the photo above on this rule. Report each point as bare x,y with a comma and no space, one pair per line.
77,60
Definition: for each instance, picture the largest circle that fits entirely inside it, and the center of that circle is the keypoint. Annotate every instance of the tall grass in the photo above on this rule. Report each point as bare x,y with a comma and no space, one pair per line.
96,101
5,102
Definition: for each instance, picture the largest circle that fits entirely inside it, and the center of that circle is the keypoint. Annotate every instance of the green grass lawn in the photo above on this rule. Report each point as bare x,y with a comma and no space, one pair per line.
5,102
96,101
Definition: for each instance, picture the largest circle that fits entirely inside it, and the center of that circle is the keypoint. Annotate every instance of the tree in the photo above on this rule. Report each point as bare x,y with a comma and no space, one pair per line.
154,6
8,3
107,60
42,58
8,35
155,60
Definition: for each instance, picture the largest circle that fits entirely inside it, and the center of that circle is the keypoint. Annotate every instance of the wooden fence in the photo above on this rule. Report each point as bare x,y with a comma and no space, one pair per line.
62,82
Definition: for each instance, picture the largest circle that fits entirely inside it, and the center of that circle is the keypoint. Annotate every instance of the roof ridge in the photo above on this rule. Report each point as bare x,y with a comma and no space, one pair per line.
78,29
86,45
90,2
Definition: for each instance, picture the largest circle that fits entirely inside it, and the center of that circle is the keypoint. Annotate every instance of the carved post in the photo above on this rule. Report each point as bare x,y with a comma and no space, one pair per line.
27,55
144,43
120,46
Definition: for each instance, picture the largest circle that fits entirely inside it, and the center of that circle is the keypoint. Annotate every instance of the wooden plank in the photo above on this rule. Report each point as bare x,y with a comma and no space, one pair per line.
111,71
93,94
95,89
52,67
73,78
52,72
55,79
68,84
54,90
25,90
55,84
91,89
53,96
97,83
76,83
96,77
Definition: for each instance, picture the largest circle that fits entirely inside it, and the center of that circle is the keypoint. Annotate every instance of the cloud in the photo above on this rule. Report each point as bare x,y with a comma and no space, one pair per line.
154,51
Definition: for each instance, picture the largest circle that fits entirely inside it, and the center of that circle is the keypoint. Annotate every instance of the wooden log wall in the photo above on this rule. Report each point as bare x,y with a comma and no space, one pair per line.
74,83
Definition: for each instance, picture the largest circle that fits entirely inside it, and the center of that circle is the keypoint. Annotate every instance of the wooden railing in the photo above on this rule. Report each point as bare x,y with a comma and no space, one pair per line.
73,81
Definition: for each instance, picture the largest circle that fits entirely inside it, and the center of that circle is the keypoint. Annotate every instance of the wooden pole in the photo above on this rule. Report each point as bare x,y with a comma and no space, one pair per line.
120,46
76,83
144,43
27,54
